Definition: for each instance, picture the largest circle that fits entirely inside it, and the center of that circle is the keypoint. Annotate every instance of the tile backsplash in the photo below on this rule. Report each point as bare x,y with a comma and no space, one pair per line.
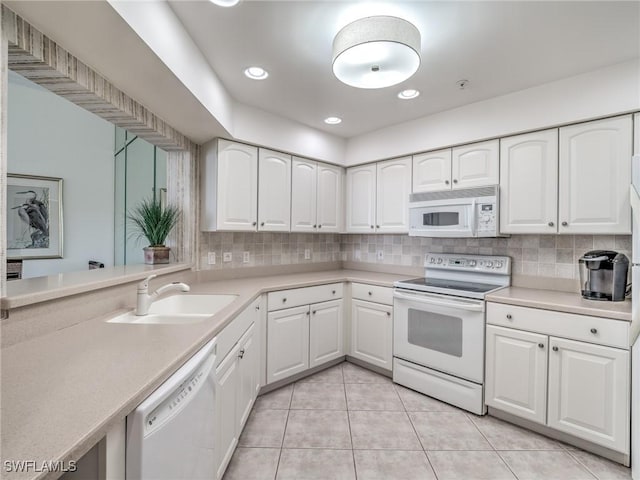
535,255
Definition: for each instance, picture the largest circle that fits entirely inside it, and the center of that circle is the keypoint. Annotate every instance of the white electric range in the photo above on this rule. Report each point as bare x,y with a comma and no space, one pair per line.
439,327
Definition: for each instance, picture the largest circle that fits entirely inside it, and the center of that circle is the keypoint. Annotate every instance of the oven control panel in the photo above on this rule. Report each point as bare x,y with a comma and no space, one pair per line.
477,263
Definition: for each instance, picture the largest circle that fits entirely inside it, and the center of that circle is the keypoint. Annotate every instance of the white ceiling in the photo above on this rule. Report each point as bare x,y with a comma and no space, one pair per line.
500,47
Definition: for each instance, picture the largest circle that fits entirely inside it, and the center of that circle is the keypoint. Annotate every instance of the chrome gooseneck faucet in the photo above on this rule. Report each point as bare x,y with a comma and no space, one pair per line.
145,299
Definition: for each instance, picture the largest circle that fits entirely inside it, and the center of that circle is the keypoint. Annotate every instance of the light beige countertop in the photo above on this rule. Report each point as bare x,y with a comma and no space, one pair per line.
62,392
561,302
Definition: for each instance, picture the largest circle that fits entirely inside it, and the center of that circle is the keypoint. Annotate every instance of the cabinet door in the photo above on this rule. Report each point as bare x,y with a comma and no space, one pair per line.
325,332
330,198
237,183
371,333
475,165
303,195
589,392
274,191
287,342
636,134
392,194
529,183
432,171
361,199
248,373
516,376
595,173
226,407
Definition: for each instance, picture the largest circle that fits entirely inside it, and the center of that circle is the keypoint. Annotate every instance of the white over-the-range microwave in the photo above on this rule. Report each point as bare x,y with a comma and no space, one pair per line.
470,212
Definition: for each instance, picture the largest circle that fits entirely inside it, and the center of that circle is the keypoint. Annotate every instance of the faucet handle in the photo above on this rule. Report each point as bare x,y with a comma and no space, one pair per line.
144,284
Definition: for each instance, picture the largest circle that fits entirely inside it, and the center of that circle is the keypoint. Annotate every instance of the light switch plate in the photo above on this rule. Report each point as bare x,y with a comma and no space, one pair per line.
227,257
211,258
245,257
307,254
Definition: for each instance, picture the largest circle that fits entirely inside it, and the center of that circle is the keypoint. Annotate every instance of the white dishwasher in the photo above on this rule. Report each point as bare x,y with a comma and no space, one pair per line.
170,436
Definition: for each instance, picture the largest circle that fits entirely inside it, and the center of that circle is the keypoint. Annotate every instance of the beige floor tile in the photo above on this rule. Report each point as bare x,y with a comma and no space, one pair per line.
505,436
318,396
279,399
447,431
417,402
545,465
317,429
355,374
373,396
265,428
392,465
315,464
371,430
330,375
601,467
253,464
468,465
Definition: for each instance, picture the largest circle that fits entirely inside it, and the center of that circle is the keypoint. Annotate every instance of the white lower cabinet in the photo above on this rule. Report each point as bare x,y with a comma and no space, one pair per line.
325,332
577,387
237,384
287,342
371,333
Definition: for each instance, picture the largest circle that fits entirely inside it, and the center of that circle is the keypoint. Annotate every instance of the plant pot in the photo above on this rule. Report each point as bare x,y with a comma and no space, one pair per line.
156,255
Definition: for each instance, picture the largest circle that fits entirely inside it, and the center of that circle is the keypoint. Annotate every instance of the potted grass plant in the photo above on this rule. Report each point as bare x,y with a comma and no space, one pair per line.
153,221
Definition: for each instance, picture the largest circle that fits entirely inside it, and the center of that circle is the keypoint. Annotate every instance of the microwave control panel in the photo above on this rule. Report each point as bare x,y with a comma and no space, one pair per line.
486,215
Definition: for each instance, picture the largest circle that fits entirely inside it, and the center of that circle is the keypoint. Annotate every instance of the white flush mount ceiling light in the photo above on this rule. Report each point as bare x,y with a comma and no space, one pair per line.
376,52
225,3
256,73
408,94
332,120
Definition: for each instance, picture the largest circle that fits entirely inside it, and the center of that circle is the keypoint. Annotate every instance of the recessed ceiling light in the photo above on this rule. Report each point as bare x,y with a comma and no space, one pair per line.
226,3
408,94
256,73
332,120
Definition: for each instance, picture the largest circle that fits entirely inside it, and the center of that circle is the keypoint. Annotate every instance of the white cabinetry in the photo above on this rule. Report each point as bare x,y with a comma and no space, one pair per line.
571,383
372,325
432,171
274,191
377,197
237,381
594,176
636,134
529,183
307,333
316,197
475,165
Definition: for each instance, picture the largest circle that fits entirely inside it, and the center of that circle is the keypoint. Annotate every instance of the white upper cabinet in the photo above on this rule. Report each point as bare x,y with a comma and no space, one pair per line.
303,195
594,177
392,195
274,191
229,186
636,134
475,165
361,199
330,197
529,183
432,171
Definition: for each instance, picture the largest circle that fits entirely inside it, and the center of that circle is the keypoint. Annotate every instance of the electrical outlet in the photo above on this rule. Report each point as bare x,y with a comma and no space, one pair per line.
356,255
380,254
211,258
245,257
227,257
307,254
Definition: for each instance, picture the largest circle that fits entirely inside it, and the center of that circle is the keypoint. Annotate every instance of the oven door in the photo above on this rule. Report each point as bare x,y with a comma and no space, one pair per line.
441,332
443,220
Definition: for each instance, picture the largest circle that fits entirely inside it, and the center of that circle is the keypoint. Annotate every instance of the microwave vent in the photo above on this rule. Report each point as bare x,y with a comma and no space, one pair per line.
491,191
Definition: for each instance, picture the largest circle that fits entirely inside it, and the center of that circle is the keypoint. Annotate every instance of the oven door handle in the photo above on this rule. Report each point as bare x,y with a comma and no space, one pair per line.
477,307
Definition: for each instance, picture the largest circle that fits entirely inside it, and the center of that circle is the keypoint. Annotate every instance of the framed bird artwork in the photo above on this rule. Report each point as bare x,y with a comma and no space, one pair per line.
34,217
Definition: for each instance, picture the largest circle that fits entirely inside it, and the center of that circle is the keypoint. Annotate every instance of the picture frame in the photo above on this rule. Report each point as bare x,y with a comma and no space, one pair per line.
34,217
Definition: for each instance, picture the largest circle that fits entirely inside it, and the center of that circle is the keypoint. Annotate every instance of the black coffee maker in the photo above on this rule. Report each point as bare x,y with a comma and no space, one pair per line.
603,275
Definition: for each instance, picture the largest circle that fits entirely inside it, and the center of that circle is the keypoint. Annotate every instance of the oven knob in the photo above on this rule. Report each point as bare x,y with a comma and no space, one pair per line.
439,260
498,264
432,260
472,263
489,264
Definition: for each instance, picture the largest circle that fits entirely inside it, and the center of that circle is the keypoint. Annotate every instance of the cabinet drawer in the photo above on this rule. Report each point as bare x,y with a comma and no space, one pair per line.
597,330
230,334
372,293
303,296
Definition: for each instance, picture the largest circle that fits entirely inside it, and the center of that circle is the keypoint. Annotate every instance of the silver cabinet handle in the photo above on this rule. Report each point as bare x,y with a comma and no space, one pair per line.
284,300
388,314
320,225
257,307
455,180
551,224
262,224
371,226
307,313
241,353
370,293
509,317
564,224
314,312
541,345
594,330
377,226
254,223
555,349
446,182
315,226
333,292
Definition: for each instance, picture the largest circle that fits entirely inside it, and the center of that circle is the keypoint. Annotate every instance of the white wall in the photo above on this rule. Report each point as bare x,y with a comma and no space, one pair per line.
50,136
608,91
